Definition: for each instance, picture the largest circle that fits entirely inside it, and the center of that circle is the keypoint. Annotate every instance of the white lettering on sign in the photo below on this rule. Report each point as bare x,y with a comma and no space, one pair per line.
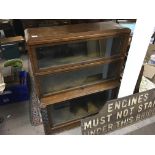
97,121
120,113
125,103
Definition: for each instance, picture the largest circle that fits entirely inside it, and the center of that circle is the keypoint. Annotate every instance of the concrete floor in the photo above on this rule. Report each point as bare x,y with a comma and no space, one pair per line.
146,130
17,122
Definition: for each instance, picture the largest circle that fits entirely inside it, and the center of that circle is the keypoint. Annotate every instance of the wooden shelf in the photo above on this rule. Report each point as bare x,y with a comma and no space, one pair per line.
78,92
80,65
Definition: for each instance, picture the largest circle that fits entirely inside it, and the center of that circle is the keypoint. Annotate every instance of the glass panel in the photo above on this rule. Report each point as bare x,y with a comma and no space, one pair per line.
80,107
61,81
49,56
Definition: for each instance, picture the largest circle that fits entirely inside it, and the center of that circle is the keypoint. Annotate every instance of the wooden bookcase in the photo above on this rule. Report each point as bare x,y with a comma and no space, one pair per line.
76,69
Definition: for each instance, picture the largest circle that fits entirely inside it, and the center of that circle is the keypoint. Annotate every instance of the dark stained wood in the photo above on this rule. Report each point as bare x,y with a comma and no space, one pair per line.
33,59
139,80
126,44
78,92
80,40
80,65
33,62
65,126
46,35
8,40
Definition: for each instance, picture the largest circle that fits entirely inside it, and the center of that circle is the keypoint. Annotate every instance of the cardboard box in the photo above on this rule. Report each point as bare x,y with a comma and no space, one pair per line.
149,72
150,51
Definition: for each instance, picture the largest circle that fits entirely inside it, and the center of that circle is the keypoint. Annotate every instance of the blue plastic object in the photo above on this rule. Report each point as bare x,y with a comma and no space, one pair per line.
18,92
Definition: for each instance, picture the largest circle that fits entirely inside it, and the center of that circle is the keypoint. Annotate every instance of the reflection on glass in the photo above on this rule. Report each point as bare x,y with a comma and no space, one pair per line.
57,82
49,56
80,107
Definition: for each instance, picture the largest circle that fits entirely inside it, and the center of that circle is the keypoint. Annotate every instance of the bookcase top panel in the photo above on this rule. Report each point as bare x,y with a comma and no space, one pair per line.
45,35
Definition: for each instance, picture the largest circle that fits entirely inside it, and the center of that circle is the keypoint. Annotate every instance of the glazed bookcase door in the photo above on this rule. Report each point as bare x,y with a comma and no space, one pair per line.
50,56
55,83
80,107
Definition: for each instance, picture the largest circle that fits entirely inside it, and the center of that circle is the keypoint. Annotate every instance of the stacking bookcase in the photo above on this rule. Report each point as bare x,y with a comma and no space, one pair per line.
76,69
